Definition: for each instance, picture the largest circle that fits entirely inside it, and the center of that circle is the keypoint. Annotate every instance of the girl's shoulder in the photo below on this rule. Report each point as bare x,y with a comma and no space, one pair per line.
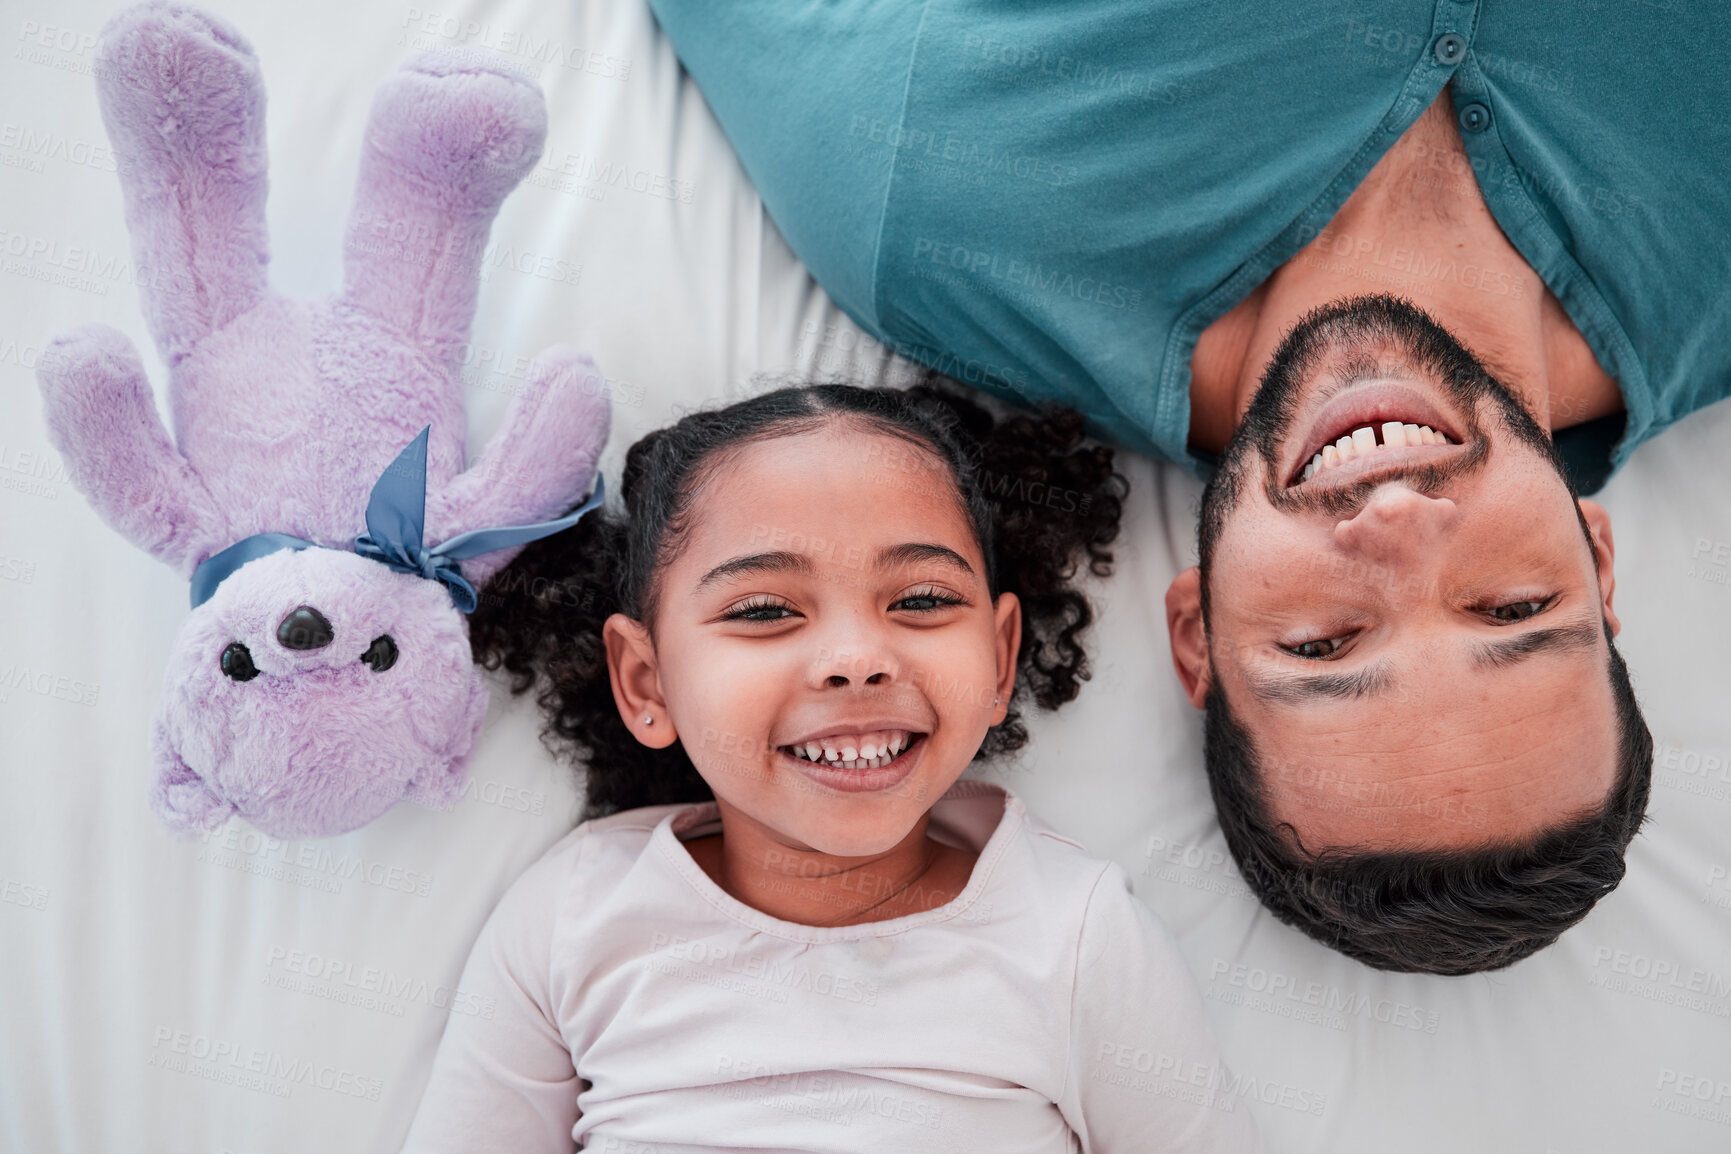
631,826
1022,852
613,844
594,857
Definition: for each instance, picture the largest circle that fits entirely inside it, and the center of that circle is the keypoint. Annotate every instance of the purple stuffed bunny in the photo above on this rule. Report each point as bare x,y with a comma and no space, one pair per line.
325,671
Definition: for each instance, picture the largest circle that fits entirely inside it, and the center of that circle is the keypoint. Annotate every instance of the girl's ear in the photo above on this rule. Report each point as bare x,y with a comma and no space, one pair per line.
1008,613
637,681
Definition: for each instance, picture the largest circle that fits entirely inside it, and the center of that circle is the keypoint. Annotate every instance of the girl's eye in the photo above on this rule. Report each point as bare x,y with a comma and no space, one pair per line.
1315,650
1520,610
760,610
927,600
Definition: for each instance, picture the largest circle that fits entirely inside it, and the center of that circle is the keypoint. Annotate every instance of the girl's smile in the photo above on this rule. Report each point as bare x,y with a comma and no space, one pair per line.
853,761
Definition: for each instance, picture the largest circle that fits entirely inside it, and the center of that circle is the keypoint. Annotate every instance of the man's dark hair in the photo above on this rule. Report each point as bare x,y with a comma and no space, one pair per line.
1430,911
1437,912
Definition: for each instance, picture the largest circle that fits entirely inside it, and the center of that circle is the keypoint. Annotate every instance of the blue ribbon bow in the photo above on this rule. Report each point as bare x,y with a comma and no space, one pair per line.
396,520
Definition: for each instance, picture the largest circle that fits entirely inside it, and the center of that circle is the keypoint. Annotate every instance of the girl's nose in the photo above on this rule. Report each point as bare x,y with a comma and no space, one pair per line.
860,664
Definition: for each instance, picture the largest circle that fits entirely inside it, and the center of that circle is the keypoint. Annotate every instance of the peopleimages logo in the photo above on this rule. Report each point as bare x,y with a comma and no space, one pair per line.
36,473
252,1067
311,865
1318,1002
1661,980
424,26
17,893
39,145
828,1097
772,975
1210,1084
86,269
1021,279
367,987
921,150
46,683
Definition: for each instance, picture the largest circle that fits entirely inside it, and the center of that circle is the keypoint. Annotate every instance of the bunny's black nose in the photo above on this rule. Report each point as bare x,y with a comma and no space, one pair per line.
305,628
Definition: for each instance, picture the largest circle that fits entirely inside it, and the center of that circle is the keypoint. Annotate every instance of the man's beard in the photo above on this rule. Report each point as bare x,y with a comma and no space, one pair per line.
1358,333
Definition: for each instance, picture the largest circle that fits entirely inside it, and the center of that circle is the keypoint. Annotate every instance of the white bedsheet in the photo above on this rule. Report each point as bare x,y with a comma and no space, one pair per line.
327,966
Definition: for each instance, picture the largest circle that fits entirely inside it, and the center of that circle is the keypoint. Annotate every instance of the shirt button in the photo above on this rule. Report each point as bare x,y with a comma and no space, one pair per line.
1474,118
1449,48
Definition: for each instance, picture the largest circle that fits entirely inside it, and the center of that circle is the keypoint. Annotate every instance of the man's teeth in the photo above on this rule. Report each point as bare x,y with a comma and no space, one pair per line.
1361,442
855,751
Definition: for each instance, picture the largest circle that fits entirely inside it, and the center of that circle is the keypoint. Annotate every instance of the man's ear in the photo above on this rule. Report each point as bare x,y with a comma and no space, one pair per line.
1189,639
1604,551
637,681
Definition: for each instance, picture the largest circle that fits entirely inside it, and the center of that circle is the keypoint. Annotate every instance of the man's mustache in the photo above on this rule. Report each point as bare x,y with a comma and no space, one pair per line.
1349,499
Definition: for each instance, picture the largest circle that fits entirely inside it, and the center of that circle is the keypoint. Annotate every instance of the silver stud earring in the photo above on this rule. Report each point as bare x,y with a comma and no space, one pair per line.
648,719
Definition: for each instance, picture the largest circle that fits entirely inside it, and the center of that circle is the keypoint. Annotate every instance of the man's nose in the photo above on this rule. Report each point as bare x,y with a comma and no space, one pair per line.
1399,527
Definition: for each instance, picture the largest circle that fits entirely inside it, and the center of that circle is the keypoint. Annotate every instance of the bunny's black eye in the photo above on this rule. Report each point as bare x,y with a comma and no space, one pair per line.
237,662
381,654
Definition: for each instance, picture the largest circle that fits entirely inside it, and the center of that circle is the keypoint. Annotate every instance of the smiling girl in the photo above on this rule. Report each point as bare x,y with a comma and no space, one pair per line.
789,924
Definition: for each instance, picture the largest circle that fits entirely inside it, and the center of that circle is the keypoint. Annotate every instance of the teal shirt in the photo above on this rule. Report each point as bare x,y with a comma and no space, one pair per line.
1051,201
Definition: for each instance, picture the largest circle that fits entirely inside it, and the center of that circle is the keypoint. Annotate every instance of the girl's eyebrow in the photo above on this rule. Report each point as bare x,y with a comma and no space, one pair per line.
783,561
780,561
897,556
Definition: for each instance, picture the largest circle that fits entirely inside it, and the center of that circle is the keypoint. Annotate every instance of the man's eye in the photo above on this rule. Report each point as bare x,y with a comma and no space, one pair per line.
1314,650
1519,610
758,611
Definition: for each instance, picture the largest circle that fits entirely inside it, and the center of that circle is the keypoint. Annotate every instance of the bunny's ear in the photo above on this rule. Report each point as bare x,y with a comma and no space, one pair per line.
178,795
449,137
184,104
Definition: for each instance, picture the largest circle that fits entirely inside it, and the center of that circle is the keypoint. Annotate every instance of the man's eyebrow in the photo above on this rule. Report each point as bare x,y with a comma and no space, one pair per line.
1288,690
780,561
900,556
1375,679
1582,633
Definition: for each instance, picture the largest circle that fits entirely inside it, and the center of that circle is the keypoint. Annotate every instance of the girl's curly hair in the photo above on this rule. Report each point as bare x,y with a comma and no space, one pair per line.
1041,501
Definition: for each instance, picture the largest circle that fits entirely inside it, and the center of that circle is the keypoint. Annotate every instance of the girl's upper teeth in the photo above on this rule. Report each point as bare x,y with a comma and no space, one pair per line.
855,751
1363,441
